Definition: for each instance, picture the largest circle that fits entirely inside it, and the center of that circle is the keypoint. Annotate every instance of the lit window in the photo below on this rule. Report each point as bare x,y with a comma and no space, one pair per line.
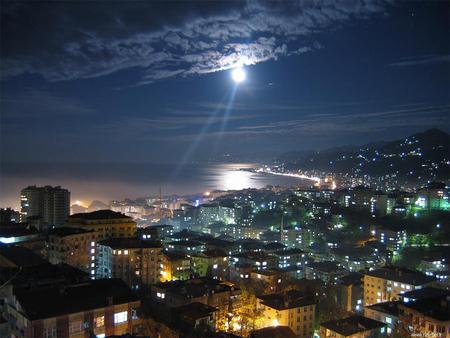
92,243
99,321
125,252
92,251
215,266
388,320
120,317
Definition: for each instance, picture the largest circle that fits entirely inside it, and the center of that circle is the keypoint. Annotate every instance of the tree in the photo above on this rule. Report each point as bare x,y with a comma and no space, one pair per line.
246,317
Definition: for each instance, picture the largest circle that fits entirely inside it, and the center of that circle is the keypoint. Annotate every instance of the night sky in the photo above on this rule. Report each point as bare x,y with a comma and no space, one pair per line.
106,81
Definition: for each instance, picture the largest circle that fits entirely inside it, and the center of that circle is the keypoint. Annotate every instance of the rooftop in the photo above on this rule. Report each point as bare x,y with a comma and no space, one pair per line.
99,215
194,311
213,253
20,256
287,252
390,308
353,278
351,325
193,288
273,332
186,243
289,300
401,275
53,301
327,266
43,274
275,246
437,308
67,231
173,256
129,243
425,293
17,230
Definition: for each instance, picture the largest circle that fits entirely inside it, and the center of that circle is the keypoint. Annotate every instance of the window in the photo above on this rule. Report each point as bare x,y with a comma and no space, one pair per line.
99,321
388,320
75,327
120,317
161,295
50,332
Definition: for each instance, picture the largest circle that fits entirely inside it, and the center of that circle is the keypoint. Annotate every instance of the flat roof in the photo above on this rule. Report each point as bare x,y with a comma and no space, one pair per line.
288,300
53,301
401,275
390,308
351,325
100,214
197,287
435,307
129,243
273,332
67,231
20,256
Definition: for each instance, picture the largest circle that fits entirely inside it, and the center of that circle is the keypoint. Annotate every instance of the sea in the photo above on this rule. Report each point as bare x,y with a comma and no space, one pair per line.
116,181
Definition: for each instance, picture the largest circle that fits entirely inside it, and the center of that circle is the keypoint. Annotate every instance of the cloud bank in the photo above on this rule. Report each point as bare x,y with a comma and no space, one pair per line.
79,40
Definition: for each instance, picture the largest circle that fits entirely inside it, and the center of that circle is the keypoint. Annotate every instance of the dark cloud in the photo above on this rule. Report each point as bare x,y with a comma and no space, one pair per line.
73,40
421,60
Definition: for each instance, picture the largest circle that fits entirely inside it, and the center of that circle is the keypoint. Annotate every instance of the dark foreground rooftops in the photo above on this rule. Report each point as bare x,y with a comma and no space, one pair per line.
53,301
20,256
41,275
351,325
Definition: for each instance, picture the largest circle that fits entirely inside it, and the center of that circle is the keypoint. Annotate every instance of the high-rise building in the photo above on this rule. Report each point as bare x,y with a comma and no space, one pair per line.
72,246
50,204
135,261
105,223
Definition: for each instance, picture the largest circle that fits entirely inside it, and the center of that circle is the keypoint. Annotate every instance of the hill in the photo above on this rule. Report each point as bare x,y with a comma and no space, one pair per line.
422,156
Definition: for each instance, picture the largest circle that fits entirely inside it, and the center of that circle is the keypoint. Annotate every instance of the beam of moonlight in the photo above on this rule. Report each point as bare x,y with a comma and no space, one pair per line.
238,75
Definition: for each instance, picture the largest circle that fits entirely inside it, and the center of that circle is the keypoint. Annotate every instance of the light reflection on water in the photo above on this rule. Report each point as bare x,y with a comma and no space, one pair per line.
229,177
117,181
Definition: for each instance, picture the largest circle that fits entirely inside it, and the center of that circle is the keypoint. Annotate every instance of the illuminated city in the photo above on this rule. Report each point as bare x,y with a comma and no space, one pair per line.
225,169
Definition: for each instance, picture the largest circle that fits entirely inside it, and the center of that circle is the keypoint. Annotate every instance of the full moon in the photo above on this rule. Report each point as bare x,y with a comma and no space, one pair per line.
238,74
